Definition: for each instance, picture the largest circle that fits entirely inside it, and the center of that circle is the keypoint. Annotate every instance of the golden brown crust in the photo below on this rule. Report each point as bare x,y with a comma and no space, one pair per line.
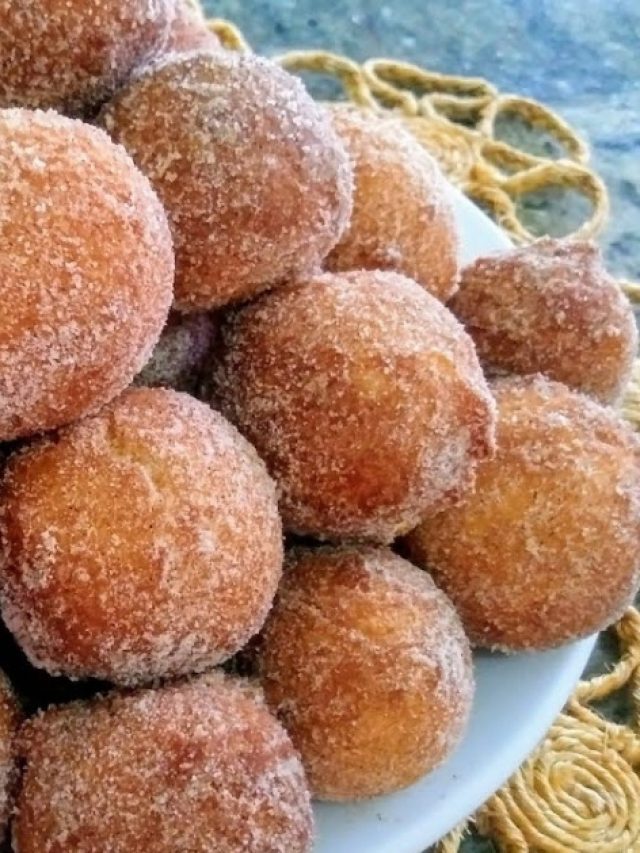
547,547
366,663
256,183
551,308
364,397
81,317
72,54
402,218
143,542
196,766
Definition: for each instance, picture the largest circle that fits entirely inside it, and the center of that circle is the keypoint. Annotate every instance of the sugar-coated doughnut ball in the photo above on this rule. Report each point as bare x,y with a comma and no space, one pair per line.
367,665
86,268
402,217
189,30
196,766
140,543
547,547
71,54
551,308
363,395
255,181
10,718
181,353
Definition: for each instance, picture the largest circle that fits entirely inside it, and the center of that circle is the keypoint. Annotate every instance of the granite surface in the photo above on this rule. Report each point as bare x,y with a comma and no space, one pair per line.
582,57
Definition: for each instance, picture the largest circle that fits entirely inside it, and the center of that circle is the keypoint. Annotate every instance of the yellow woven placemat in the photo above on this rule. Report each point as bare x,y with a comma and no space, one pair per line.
579,792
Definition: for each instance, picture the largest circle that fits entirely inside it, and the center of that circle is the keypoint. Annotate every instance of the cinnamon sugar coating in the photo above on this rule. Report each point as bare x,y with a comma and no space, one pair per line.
189,30
256,184
363,395
366,664
402,217
551,308
144,542
70,55
86,267
546,549
198,766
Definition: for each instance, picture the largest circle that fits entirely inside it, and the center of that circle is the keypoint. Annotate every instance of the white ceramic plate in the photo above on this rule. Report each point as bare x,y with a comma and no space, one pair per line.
516,701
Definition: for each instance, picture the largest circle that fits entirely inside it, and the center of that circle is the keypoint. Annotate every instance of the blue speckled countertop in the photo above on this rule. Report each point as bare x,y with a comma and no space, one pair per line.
581,57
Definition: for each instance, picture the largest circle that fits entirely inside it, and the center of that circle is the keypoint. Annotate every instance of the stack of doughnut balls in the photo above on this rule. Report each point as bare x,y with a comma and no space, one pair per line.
234,315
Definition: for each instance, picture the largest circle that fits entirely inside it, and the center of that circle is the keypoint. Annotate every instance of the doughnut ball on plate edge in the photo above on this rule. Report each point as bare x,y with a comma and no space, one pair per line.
70,55
256,184
197,765
550,308
546,548
363,395
87,270
366,663
402,217
141,543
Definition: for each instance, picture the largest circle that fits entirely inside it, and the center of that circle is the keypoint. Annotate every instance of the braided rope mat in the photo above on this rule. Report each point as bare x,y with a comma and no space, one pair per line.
579,792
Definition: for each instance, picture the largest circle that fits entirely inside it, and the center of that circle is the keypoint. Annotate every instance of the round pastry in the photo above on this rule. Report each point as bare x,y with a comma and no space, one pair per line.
551,308
141,543
546,549
72,54
256,184
195,766
189,30
367,665
363,395
181,353
86,268
10,718
402,218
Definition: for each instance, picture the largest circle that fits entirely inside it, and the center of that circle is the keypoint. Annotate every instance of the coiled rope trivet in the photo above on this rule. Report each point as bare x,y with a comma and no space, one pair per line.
579,792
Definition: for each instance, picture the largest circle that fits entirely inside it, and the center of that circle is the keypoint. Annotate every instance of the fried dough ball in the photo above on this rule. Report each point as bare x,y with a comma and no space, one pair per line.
402,218
72,54
141,543
367,665
197,766
10,718
256,184
181,353
547,547
189,30
551,308
86,268
363,395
